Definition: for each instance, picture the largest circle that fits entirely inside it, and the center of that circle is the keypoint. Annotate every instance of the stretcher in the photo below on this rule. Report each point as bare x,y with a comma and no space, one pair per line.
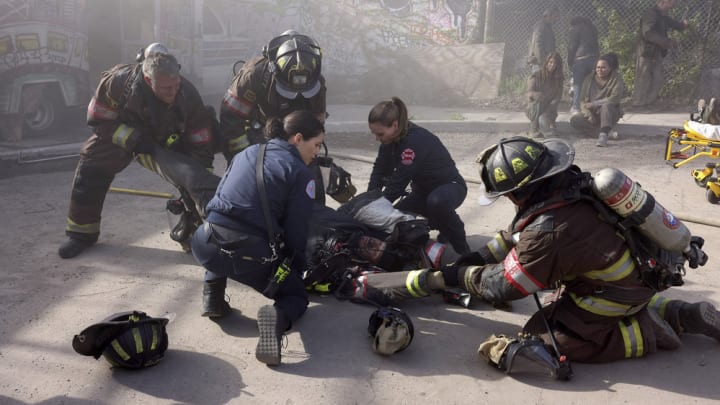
688,144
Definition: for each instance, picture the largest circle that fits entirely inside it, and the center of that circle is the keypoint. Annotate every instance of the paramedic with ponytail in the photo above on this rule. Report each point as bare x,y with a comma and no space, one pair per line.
235,242
412,155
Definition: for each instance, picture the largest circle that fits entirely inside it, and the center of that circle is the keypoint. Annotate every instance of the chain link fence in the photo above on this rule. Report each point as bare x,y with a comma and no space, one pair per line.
692,69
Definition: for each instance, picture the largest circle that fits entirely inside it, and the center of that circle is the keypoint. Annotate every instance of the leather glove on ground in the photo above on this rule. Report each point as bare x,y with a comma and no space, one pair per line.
695,255
144,144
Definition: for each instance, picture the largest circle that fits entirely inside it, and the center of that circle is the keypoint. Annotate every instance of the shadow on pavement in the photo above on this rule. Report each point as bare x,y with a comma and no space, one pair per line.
186,377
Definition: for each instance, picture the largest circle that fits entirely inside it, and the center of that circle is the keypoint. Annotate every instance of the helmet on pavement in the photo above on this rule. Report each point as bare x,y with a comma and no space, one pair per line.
295,61
391,330
517,162
126,339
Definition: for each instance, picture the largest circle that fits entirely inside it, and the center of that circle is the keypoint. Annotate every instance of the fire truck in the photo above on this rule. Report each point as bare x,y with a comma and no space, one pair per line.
53,51
43,65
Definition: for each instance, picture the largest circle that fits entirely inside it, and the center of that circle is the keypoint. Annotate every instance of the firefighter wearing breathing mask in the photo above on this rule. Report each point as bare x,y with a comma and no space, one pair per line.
607,310
286,77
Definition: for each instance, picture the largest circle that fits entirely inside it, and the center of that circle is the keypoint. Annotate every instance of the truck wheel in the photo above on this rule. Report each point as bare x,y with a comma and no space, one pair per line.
45,114
711,197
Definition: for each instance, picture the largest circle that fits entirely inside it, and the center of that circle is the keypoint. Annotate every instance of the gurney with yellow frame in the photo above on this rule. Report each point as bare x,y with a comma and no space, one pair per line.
685,145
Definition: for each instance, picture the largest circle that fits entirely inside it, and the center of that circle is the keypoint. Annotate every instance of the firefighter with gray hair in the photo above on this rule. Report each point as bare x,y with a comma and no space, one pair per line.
566,235
149,113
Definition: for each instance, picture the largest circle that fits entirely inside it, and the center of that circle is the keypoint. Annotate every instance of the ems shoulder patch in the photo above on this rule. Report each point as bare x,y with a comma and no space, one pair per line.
310,189
407,157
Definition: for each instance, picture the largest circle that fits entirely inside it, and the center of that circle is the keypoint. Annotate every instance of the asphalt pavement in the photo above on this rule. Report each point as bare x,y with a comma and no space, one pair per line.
327,356
64,143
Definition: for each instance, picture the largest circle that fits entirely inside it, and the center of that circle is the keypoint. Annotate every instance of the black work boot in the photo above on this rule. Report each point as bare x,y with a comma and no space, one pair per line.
214,304
272,325
74,246
700,318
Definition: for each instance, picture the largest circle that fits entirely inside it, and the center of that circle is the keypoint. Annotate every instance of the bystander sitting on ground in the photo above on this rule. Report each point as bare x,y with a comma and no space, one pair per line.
600,100
544,91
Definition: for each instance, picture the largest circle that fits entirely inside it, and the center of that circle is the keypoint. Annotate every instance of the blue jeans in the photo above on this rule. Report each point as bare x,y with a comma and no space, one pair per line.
580,70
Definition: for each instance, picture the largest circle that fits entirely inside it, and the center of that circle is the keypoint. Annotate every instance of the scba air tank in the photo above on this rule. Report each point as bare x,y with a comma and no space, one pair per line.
626,197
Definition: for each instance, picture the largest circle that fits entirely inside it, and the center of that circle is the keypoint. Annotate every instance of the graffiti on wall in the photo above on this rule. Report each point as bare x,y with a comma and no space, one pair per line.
41,32
31,44
362,40
357,33
253,22
350,31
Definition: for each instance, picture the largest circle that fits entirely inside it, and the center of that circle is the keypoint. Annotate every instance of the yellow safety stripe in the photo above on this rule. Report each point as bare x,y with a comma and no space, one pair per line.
498,248
322,288
238,143
658,304
632,337
138,340
119,350
155,337
73,226
121,135
412,283
146,161
468,279
601,306
617,271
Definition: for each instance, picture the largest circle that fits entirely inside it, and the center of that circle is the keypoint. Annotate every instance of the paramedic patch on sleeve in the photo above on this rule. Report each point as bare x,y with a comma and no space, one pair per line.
407,157
310,189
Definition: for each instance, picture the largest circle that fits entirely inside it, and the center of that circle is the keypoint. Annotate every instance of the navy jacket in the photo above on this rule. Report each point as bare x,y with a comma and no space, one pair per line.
290,192
418,158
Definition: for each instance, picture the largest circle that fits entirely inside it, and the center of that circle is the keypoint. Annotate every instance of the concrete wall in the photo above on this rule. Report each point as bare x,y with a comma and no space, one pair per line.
373,49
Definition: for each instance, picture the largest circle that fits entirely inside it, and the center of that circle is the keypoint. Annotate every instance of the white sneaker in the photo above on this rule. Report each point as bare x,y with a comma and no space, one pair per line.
602,140
614,134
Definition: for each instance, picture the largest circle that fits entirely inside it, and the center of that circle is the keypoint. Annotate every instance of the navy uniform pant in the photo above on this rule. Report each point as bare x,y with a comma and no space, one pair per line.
291,298
439,208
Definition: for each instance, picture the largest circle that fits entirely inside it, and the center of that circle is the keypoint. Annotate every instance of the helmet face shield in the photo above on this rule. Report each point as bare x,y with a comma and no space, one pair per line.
485,198
296,64
291,94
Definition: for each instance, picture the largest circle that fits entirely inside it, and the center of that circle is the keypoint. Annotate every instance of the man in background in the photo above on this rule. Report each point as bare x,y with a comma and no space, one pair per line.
652,48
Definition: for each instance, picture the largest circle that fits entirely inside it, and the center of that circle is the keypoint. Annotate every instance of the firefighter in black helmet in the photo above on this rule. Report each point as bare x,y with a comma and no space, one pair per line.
560,236
285,78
